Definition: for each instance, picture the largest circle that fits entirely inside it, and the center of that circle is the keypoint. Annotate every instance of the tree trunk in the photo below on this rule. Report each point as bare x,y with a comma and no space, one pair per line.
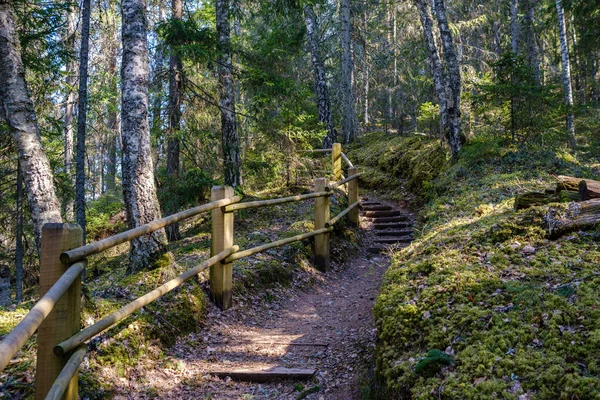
496,25
69,107
577,216
566,73
365,66
514,26
395,89
348,112
139,191
439,80
19,238
174,124
232,164
532,48
112,111
453,133
19,113
321,89
81,117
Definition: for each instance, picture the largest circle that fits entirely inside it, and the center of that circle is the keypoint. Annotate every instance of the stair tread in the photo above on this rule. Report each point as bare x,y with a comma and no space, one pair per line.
399,218
391,213
376,208
392,240
396,225
401,233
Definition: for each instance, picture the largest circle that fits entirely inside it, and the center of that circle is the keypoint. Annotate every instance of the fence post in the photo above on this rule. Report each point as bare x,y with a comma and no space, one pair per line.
321,217
65,319
336,157
353,196
221,279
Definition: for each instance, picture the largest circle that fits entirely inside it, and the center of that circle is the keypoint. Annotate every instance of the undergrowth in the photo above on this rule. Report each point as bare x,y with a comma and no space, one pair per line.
482,304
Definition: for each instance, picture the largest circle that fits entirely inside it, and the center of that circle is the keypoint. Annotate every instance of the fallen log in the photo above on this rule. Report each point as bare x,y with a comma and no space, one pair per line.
573,184
530,199
576,216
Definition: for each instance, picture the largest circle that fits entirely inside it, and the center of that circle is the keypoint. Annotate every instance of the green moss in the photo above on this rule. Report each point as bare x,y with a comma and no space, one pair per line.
483,283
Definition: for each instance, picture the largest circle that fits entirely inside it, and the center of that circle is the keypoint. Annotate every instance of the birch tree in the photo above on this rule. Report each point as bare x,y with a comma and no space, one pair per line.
566,72
232,163
19,112
321,89
439,81
139,192
70,100
348,109
453,131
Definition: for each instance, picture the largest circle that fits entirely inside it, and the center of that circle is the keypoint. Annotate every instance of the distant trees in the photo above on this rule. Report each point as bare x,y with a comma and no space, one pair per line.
566,72
349,120
139,192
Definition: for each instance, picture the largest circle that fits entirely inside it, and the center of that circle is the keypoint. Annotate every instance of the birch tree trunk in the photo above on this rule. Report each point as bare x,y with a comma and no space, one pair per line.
514,26
69,108
321,89
19,113
436,65
81,117
566,73
348,111
174,123
139,191
232,164
365,65
453,133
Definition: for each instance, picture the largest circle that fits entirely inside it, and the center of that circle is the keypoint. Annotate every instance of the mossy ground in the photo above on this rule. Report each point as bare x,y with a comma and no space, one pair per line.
142,340
517,313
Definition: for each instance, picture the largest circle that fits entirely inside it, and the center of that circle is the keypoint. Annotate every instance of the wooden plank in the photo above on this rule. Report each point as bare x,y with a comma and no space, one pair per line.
69,372
101,245
375,214
221,274
267,375
404,232
399,218
377,208
336,158
64,320
272,202
406,239
353,196
322,216
393,225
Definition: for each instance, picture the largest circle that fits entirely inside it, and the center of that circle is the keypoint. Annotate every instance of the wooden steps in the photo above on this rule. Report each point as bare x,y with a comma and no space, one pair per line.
391,228
268,375
382,214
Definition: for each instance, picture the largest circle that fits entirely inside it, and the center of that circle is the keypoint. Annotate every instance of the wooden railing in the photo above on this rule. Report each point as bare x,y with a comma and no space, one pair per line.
57,315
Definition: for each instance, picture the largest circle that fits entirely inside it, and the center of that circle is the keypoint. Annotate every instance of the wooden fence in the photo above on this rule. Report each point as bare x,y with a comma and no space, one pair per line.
57,315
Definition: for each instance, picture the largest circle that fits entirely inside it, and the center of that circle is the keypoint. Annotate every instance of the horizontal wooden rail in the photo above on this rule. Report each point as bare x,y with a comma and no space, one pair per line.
61,383
13,342
317,151
348,179
265,203
347,160
258,249
96,247
128,309
335,219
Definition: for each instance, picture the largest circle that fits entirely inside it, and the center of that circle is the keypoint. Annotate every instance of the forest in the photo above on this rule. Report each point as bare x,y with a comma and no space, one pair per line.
117,113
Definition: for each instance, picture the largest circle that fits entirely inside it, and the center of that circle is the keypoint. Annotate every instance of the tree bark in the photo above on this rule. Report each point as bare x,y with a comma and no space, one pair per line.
566,73
82,116
439,80
365,65
174,123
533,55
19,113
232,164
577,216
139,191
453,133
112,108
69,109
19,238
348,110
321,89
514,26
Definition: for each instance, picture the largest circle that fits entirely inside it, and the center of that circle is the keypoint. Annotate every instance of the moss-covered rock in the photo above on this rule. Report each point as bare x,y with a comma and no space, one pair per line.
482,284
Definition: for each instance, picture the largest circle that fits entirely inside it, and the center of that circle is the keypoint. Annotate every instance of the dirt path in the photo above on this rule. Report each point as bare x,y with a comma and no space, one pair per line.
329,328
